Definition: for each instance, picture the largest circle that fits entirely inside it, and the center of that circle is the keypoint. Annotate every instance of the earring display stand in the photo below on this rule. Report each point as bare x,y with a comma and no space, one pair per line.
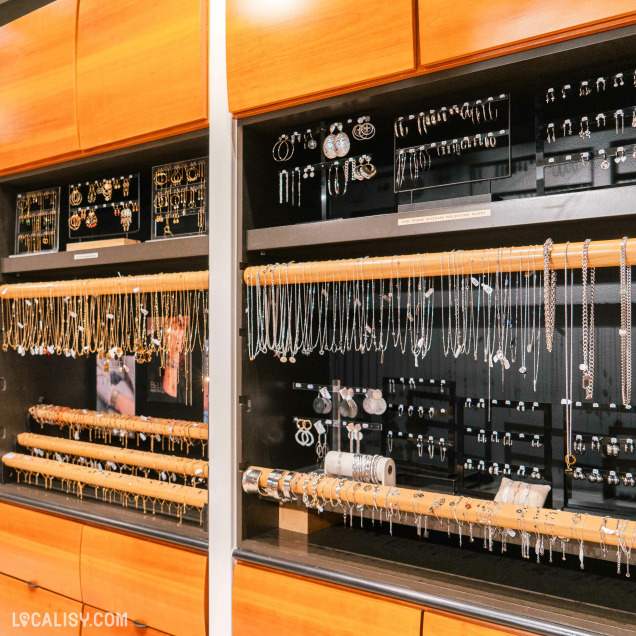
37,222
109,207
180,199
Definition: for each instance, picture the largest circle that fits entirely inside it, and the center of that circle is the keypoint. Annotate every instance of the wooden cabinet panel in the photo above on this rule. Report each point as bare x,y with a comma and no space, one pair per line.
451,35
266,602
95,625
16,597
435,624
293,50
158,585
41,549
142,70
37,86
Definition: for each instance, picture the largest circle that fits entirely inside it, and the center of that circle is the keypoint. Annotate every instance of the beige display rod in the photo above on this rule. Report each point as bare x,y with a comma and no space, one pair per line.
60,415
128,456
504,259
182,281
544,521
81,475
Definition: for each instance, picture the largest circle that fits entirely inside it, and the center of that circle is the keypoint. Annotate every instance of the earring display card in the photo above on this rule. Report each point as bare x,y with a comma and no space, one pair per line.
103,208
179,198
453,144
37,221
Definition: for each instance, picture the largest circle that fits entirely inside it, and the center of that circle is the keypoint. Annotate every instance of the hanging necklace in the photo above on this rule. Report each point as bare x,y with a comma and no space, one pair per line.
570,460
587,366
549,294
625,331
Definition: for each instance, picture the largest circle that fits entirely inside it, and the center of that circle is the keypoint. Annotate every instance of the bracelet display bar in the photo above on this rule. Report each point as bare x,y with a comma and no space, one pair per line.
132,458
408,502
138,487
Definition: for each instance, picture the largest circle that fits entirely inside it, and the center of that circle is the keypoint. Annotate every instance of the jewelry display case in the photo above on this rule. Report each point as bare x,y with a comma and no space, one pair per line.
469,269
45,365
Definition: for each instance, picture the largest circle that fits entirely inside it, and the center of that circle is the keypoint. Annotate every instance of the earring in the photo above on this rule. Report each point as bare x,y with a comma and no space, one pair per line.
600,117
549,96
283,145
75,221
91,219
342,142
431,446
283,175
600,82
389,441
329,145
567,127
620,155
618,80
126,218
76,196
364,129
617,114
605,164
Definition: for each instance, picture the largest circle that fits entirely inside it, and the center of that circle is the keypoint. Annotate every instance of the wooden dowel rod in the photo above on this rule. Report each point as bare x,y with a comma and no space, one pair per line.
507,259
128,456
101,286
482,512
59,415
151,488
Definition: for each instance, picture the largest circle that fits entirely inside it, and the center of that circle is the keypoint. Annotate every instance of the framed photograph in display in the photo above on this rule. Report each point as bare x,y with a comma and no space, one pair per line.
116,386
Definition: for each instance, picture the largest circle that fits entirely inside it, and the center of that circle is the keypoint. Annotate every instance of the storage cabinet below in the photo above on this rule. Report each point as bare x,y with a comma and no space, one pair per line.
268,602
450,35
98,624
41,549
435,624
33,611
155,584
290,51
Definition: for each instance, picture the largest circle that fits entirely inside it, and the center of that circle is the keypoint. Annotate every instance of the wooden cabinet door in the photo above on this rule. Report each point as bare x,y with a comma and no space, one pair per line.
41,549
452,34
161,586
97,624
142,70
266,602
301,50
44,609
436,624
37,87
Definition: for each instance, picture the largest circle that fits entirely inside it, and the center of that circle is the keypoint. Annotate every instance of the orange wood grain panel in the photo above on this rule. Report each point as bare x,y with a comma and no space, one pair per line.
17,597
448,625
279,50
161,586
41,548
451,35
95,625
142,68
37,86
266,602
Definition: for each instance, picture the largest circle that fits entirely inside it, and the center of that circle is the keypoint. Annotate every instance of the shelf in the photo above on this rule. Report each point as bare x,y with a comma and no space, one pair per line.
435,218
164,254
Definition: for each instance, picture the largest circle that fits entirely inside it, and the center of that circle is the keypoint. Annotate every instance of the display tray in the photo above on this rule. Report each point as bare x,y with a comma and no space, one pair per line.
504,589
104,514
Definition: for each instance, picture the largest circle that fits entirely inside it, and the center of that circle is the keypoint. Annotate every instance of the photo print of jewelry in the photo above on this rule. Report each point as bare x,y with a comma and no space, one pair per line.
463,129
37,215
113,207
496,295
487,520
179,195
163,315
